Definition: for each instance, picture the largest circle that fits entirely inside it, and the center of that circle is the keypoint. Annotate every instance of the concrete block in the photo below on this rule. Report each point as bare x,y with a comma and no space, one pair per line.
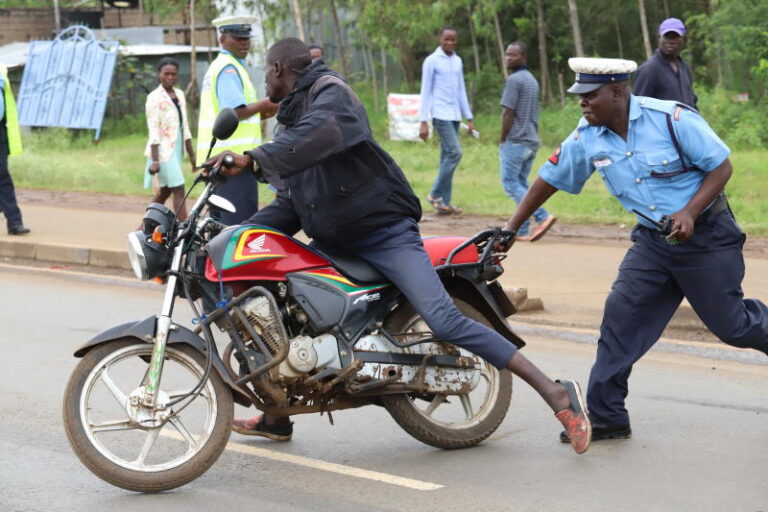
17,249
110,258
521,301
62,253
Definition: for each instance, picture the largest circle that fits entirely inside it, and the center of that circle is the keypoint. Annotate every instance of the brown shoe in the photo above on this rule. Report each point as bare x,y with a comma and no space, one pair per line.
439,205
257,427
575,418
542,228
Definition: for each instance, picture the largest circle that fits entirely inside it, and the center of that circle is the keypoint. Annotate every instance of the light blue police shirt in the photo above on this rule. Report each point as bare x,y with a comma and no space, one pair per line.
229,86
639,171
2,98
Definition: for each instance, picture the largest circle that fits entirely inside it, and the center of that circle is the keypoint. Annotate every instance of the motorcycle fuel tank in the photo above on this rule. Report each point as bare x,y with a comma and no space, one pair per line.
257,253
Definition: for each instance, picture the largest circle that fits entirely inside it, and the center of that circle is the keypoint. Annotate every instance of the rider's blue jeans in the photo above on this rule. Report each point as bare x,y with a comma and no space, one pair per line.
398,252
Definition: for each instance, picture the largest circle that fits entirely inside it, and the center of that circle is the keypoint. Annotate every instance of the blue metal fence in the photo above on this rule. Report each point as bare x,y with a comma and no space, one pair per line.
66,81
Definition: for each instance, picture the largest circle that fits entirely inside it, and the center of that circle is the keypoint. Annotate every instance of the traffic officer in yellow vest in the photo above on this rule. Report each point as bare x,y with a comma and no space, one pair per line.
227,84
10,144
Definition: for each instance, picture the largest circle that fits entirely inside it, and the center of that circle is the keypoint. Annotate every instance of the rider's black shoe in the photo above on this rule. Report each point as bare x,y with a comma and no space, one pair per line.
256,426
602,431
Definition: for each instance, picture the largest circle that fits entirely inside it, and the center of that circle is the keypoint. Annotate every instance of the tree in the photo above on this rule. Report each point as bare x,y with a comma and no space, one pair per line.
298,19
573,11
644,25
541,26
339,37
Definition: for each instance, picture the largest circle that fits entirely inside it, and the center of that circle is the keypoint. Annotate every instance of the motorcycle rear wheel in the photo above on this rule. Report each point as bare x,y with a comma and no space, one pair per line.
451,431
102,434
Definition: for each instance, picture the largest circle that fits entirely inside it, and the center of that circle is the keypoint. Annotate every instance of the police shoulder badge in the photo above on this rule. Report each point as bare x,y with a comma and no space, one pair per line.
555,158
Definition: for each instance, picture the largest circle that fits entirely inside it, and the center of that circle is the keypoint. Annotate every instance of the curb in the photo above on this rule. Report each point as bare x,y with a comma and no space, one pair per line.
684,317
60,253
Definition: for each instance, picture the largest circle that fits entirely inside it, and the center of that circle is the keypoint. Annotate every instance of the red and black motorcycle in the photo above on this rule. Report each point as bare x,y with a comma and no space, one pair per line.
150,405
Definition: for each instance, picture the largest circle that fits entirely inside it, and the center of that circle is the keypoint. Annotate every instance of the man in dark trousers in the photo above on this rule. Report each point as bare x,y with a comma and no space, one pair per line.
338,185
10,144
666,76
661,161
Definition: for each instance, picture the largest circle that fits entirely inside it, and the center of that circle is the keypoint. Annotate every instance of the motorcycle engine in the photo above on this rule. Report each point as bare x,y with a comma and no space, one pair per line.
304,353
259,314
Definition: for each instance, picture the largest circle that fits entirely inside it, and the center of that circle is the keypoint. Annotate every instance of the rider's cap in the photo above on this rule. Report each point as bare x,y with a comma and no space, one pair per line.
238,26
592,73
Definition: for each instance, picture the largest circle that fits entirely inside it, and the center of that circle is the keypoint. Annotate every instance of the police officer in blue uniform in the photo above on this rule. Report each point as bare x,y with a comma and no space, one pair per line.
228,84
658,158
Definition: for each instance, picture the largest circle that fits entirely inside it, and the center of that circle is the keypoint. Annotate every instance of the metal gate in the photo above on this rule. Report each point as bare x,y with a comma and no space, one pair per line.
66,81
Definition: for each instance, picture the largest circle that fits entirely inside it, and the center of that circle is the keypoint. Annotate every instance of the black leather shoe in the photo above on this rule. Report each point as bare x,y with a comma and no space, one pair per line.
19,230
601,431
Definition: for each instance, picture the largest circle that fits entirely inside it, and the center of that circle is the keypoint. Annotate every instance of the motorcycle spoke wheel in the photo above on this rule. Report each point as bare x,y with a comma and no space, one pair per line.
449,420
141,448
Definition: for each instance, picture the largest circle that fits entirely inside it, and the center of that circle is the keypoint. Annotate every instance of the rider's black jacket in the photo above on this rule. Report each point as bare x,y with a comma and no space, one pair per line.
334,181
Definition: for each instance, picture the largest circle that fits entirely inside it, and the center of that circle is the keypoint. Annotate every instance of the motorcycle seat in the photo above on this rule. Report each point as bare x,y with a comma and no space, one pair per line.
354,268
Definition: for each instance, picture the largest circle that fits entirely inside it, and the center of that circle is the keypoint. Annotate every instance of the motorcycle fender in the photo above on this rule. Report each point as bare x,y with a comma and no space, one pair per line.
144,330
482,296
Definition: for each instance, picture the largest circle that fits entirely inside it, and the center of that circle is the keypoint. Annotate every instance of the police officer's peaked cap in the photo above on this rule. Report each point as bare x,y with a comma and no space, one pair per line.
238,26
592,73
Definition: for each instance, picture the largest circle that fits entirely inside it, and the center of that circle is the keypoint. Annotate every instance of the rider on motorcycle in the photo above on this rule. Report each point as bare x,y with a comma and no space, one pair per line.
338,185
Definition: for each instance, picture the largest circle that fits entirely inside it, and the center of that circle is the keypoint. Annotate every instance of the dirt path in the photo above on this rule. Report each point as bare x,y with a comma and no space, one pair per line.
431,223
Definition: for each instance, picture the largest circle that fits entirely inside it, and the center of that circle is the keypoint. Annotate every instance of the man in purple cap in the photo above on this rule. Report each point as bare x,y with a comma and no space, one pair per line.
665,75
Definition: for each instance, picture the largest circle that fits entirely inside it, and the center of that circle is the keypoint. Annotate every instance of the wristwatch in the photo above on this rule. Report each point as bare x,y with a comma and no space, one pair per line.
256,168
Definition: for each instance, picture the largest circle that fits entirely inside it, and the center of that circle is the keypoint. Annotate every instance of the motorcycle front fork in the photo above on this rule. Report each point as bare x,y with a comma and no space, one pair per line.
162,329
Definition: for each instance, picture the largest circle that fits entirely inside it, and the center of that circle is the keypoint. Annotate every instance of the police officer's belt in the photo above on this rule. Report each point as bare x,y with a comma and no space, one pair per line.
719,206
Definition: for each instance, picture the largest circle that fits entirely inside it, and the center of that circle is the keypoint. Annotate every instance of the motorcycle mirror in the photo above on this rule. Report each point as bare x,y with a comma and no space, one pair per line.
221,203
225,124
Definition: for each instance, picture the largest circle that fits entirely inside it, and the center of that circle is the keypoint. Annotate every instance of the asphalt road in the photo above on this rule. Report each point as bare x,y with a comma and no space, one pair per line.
700,430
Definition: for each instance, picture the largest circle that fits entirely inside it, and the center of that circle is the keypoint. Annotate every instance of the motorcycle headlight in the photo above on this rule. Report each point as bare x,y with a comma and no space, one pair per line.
148,259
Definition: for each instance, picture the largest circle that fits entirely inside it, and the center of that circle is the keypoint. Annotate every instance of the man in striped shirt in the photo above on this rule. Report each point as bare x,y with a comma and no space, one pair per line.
519,138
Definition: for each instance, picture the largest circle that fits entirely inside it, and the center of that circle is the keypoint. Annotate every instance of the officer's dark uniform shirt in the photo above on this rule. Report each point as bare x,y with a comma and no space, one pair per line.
641,172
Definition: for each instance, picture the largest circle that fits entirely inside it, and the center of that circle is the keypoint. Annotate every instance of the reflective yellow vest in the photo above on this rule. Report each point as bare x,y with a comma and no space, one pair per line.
248,133
11,117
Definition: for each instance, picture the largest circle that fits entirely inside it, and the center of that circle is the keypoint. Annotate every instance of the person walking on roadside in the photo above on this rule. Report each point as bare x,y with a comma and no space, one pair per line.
169,133
227,84
10,144
444,102
666,76
519,138
659,159
328,142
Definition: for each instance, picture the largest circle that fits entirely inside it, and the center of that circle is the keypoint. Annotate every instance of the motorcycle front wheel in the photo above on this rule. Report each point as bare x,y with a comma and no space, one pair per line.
134,447
449,421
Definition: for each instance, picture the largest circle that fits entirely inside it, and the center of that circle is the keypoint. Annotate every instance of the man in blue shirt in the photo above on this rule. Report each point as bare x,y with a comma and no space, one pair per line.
658,158
444,102
666,76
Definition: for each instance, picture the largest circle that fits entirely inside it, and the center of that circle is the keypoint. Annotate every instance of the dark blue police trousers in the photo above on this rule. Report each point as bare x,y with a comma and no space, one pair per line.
243,191
398,252
653,279
8,204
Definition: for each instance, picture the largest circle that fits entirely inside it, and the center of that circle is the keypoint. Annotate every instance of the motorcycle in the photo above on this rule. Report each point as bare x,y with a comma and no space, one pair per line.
149,406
